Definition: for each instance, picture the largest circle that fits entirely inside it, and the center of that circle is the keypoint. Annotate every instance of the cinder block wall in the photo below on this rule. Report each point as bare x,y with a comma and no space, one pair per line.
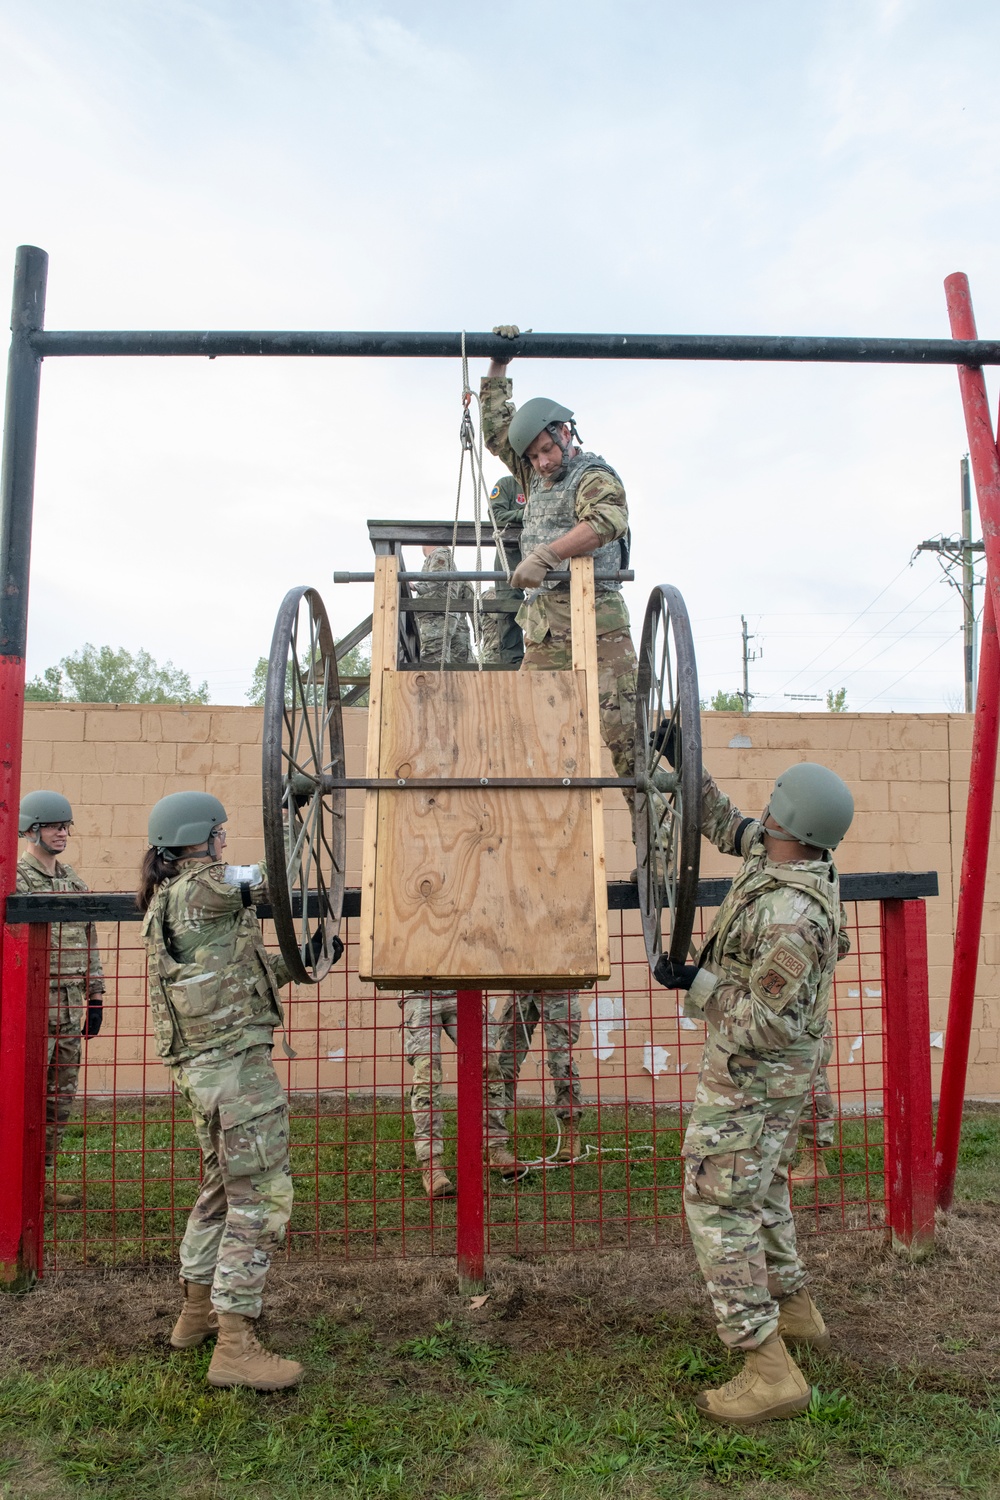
909,775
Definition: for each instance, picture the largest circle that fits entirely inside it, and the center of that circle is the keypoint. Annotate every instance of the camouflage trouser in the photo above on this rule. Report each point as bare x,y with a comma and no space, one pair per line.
240,1115
502,639
818,1125
432,641
67,1006
737,1154
616,686
426,1014
510,1037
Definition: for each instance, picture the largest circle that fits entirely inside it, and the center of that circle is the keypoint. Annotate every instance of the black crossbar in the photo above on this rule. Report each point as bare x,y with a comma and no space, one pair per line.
692,346
119,906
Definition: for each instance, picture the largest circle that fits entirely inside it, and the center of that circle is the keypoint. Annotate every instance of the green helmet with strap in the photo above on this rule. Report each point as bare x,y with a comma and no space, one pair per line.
43,807
184,818
811,803
531,419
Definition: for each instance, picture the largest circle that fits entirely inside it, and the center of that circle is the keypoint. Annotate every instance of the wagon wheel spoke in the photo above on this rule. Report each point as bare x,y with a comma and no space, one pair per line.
304,824
668,798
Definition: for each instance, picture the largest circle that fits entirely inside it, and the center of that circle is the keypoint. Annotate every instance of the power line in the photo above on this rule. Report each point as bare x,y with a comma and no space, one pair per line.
909,671
846,628
833,671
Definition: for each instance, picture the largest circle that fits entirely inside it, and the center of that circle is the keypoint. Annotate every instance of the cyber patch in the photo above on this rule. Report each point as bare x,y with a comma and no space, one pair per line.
787,959
773,983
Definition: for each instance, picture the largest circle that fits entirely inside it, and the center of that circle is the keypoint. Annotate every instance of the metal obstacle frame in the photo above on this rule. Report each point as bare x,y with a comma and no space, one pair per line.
22,955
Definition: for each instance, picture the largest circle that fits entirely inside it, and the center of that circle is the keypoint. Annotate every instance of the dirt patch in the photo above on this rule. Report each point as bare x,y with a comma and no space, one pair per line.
940,1317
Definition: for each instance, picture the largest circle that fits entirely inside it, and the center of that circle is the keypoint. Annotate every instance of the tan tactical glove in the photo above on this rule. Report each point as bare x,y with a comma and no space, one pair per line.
507,330
531,570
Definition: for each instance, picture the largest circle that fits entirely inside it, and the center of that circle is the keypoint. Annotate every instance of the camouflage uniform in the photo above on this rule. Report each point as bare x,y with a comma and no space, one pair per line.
502,638
511,1034
431,627
426,1013
587,489
75,976
213,996
764,989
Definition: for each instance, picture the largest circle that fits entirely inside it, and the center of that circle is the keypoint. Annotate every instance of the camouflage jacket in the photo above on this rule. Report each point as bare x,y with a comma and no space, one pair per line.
431,627
767,964
212,987
598,497
73,955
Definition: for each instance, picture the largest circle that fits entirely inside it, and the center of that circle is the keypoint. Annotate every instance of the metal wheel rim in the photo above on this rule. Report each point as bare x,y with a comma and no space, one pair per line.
305,837
668,825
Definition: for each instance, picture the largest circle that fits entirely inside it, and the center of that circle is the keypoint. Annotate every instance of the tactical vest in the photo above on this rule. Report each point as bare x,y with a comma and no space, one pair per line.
72,949
757,877
552,512
207,1004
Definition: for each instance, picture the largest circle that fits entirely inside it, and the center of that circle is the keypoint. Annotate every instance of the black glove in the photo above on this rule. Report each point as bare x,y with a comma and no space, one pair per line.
95,1016
314,952
674,976
666,739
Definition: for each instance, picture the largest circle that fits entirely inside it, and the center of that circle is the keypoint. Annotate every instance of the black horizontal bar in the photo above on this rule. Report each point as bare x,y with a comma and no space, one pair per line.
692,346
119,906
438,533
624,575
466,783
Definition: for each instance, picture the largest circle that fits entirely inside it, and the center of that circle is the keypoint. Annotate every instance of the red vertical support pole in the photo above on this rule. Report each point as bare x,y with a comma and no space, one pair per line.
909,1133
24,977
470,1242
969,922
982,771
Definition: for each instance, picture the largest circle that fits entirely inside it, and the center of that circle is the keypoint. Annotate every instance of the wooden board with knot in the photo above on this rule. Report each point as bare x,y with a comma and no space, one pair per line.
492,886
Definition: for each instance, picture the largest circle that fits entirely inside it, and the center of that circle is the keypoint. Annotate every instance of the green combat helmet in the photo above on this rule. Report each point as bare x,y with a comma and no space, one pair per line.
184,818
531,419
812,804
43,807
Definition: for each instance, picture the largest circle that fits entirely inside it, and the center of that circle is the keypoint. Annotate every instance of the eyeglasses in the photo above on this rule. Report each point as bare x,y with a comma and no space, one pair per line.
59,827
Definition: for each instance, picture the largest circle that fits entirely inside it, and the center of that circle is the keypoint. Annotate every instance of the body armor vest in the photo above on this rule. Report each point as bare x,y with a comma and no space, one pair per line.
756,878
207,1003
552,512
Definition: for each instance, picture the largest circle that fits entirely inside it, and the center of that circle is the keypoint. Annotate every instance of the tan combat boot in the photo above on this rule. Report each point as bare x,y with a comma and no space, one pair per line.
499,1156
198,1320
812,1168
437,1183
769,1385
801,1322
62,1197
239,1359
570,1144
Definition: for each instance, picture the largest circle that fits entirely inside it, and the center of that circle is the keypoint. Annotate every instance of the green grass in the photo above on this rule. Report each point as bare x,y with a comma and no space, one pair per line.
458,1411
452,1415
139,1169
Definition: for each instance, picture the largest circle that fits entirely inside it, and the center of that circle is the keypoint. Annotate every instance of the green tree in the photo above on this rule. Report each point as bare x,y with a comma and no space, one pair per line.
727,703
45,689
356,663
836,702
104,675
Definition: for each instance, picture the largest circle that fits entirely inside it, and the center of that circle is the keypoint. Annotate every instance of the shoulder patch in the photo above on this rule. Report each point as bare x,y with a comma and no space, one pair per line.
495,491
788,961
773,983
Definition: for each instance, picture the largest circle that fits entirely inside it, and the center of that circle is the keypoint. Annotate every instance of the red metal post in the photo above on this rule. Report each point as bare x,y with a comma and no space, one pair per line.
470,1241
24,976
909,1133
969,922
982,772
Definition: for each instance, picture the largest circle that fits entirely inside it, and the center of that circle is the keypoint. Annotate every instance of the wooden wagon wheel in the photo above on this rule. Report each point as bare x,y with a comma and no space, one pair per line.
304,820
668,797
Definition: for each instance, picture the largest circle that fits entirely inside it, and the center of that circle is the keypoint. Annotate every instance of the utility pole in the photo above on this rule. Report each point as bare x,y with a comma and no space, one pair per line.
748,657
958,553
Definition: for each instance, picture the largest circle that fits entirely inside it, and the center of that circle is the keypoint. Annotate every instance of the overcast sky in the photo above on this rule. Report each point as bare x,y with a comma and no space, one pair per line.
766,168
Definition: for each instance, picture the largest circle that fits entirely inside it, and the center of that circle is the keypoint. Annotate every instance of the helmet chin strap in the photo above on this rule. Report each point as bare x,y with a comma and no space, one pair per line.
47,847
777,833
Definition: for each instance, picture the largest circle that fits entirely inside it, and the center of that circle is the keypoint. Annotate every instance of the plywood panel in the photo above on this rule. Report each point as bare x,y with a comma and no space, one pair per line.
491,885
